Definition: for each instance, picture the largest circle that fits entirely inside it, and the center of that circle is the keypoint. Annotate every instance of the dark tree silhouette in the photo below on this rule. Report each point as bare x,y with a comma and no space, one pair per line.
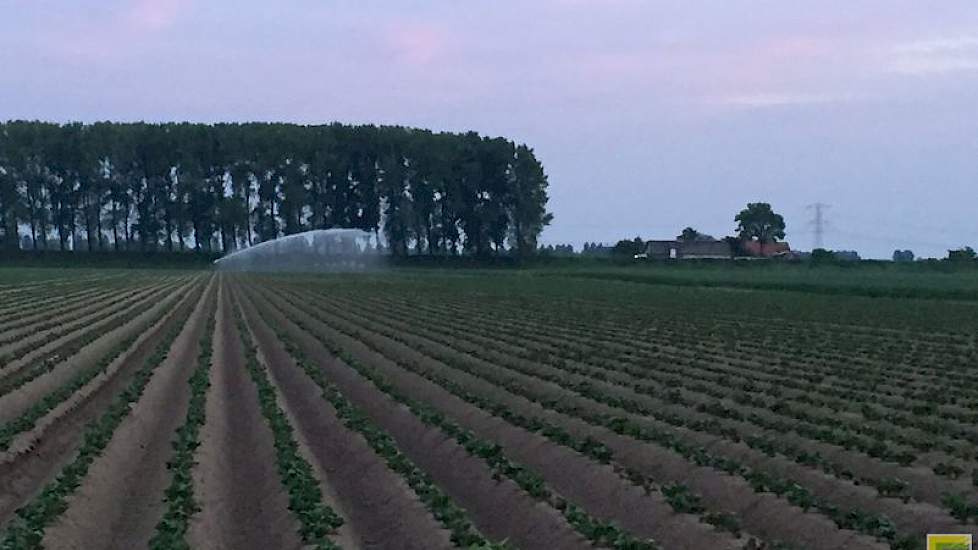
760,223
215,188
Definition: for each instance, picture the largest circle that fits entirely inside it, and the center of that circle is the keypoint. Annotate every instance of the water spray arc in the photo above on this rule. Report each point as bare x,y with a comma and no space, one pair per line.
310,251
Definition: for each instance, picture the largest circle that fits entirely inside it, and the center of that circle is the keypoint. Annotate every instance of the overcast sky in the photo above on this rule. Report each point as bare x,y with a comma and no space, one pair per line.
649,116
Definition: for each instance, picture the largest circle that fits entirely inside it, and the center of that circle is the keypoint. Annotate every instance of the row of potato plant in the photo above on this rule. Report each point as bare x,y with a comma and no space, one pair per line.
587,446
805,457
601,533
171,531
26,420
868,523
26,530
318,521
874,443
48,361
766,445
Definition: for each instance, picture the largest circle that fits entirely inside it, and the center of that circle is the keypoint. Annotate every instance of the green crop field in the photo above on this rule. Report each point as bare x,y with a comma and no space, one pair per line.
558,406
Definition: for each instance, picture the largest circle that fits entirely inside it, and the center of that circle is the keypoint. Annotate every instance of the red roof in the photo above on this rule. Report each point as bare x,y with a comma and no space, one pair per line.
766,250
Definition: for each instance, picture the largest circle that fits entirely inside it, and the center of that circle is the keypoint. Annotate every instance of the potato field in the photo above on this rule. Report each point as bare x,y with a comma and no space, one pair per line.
433,409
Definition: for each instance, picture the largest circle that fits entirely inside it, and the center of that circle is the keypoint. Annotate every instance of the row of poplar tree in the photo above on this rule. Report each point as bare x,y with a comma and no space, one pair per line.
218,187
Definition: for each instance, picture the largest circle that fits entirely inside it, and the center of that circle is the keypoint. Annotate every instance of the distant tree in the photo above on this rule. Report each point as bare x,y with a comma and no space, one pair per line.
563,250
736,249
689,235
822,256
595,249
760,223
903,256
216,187
966,254
628,248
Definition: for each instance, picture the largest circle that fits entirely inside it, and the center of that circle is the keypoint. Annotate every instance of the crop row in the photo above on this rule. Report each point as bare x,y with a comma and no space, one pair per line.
64,315
26,530
516,387
888,487
599,532
12,307
677,376
171,531
49,402
318,521
32,310
47,361
441,506
751,343
782,371
869,524
678,496
669,380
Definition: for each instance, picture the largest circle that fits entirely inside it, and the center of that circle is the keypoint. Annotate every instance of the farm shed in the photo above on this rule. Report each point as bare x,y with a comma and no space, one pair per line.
688,250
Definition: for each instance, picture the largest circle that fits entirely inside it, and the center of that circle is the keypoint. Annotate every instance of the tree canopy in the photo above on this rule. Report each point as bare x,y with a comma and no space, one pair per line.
903,255
760,223
966,254
689,235
628,248
215,188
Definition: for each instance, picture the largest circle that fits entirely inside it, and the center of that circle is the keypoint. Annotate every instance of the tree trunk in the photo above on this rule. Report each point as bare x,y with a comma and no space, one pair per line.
115,226
169,232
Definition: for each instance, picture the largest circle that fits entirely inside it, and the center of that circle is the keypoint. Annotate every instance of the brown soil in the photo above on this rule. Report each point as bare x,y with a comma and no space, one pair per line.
23,474
52,350
762,514
37,309
121,499
925,485
236,481
381,509
29,331
499,509
745,364
590,485
14,403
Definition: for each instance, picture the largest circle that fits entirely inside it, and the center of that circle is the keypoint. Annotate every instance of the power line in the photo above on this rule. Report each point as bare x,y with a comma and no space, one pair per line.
819,223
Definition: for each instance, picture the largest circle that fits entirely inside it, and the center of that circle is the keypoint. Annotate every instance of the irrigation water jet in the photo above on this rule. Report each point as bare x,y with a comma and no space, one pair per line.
320,250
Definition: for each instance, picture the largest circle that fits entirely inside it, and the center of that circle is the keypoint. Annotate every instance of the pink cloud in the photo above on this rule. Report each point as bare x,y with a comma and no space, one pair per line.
415,44
155,14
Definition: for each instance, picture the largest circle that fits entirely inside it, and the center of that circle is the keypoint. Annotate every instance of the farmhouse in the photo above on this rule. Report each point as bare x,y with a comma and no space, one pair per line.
713,249
765,250
688,250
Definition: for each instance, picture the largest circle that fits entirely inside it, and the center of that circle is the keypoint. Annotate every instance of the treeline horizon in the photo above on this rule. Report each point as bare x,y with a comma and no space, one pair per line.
215,188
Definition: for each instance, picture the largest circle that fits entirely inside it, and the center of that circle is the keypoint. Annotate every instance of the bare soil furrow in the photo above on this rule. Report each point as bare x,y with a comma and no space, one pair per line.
38,327
15,403
725,493
121,501
24,473
595,487
499,508
915,519
380,508
24,364
242,503
923,484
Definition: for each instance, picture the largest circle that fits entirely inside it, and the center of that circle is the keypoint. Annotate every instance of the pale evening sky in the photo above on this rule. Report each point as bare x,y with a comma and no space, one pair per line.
648,115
